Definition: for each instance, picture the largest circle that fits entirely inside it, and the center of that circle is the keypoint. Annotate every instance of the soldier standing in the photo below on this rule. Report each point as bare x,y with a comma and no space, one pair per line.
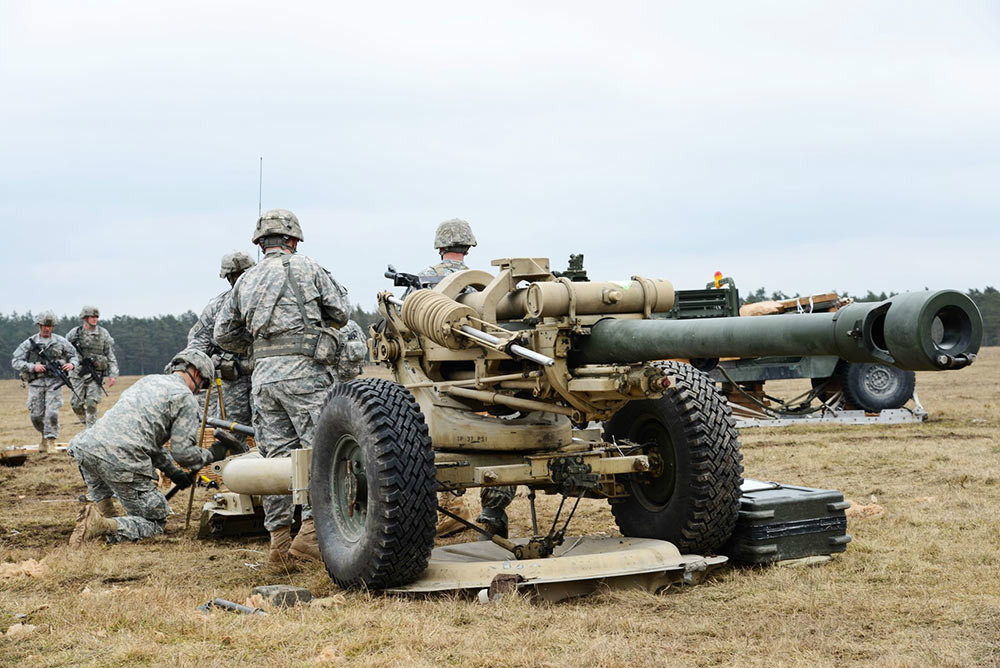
97,362
44,387
452,240
234,369
282,308
118,455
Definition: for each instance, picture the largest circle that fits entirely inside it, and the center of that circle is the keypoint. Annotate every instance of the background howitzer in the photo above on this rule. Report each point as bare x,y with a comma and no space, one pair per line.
498,377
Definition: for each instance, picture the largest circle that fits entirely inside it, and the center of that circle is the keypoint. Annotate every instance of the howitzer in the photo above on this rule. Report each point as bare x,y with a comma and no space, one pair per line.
496,377
54,368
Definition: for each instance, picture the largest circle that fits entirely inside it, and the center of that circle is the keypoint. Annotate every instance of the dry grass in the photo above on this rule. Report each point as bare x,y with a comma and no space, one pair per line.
919,586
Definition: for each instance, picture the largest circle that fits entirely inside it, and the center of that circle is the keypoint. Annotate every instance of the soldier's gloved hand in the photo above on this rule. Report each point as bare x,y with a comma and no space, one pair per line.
218,450
180,477
228,439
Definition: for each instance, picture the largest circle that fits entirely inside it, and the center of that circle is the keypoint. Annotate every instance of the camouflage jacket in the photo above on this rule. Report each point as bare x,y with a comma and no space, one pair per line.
56,347
443,268
260,307
133,434
200,336
96,345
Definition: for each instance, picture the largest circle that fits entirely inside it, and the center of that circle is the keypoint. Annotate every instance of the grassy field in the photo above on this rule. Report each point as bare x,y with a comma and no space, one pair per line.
919,585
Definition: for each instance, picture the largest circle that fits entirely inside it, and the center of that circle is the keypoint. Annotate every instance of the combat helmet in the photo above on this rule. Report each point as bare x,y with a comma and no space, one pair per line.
235,263
454,234
195,358
88,311
47,318
277,222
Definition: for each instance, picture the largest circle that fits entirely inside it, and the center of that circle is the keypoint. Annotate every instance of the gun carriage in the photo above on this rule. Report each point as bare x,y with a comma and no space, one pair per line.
498,380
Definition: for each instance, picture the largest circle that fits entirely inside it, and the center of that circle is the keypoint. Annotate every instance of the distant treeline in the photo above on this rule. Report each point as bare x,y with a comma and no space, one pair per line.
145,345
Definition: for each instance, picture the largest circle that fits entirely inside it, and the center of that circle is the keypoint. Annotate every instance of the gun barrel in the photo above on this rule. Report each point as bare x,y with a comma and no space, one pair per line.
916,330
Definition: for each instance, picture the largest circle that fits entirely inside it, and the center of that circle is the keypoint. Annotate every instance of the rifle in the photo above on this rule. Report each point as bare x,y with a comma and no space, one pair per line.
87,368
53,367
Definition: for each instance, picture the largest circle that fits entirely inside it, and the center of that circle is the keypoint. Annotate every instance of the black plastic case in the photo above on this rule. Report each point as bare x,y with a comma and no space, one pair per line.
779,522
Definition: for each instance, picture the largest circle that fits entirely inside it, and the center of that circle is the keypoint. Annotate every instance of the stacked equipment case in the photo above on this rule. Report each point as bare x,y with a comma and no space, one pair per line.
780,522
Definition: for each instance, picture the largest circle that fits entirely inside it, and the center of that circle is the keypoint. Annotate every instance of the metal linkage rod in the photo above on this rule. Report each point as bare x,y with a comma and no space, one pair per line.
515,349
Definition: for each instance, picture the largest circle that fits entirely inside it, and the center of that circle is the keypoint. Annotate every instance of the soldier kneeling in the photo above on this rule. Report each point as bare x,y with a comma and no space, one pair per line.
119,454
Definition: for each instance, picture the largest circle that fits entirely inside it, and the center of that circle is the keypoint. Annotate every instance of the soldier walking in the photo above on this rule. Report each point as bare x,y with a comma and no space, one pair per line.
284,308
96,351
40,359
119,454
452,240
234,369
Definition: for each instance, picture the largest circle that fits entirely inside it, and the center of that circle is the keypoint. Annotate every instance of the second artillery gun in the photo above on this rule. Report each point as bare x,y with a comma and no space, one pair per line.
496,379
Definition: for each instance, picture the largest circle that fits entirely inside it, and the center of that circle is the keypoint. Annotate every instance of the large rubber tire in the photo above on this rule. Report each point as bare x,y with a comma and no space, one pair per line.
692,497
876,387
375,527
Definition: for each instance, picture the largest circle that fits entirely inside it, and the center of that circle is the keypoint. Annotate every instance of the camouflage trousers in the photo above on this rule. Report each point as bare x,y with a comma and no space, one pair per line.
494,501
44,401
235,399
146,508
285,416
90,395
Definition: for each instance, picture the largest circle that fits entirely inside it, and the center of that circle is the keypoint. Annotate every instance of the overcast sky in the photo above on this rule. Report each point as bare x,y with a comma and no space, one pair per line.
793,145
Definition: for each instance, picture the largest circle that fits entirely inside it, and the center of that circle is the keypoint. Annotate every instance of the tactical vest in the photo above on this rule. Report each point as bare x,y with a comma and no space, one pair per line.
34,357
91,346
317,342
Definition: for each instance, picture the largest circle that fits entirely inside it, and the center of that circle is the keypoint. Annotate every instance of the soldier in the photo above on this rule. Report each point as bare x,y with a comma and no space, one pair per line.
452,240
119,453
44,387
97,362
281,308
232,368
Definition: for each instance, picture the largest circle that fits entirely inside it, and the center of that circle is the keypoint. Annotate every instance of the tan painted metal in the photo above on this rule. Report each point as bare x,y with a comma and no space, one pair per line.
578,566
253,474
536,469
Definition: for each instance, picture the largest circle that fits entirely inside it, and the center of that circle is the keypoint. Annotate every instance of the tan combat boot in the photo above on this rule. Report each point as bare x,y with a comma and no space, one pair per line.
305,547
447,526
52,445
281,541
91,524
107,507
43,446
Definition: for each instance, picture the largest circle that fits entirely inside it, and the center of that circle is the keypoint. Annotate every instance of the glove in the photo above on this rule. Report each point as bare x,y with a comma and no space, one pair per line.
230,441
180,477
218,450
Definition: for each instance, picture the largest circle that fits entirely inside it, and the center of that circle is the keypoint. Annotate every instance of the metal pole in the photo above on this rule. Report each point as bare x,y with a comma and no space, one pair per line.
194,483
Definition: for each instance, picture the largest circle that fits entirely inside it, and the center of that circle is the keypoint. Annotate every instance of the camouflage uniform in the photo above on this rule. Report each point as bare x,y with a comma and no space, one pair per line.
97,346
494,500
234,369
289,385
44,390
443,268
352,353
120,453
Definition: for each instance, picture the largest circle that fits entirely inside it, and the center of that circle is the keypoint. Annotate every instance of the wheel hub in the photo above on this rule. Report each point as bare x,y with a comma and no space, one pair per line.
349,487
879,380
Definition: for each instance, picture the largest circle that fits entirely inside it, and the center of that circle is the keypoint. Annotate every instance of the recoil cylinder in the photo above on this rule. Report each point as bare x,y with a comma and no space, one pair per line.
435,316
